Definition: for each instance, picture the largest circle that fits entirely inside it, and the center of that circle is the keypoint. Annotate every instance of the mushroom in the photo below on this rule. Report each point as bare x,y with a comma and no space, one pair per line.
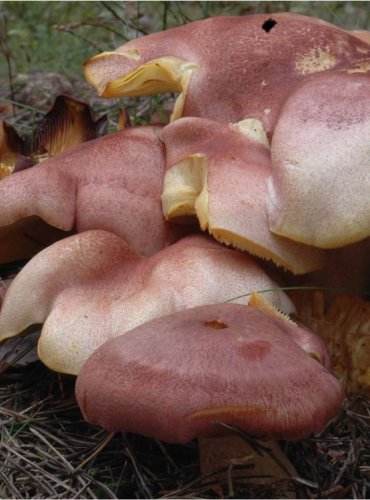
319,190
111,183
92,286
363,35
69,122
236,459
248,72
219,172
175,377
12,146
18,351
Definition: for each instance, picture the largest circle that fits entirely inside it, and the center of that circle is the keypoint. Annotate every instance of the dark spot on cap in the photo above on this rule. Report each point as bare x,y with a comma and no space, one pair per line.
217,325
269,24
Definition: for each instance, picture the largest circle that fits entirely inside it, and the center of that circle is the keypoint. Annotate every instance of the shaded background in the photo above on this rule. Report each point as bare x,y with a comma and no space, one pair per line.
39,40
59,36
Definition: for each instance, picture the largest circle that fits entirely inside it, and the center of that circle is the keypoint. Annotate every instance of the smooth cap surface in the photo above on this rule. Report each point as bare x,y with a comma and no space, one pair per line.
173,377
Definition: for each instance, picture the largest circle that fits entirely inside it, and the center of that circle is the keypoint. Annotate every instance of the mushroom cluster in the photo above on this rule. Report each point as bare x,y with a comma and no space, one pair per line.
267,151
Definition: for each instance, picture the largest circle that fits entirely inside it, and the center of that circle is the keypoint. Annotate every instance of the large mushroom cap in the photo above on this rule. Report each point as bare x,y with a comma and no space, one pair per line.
249,71
219,173
112,183
92,286
319,190
173,377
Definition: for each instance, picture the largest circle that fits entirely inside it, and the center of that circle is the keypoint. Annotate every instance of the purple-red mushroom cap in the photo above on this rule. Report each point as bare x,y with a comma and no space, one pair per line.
111,183
318,193
247,72
175,377
92,286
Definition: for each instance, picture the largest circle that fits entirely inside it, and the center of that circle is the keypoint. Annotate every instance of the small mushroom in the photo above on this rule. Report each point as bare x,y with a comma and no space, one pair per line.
112,183
175,377
92,286
219,173
249,71
319,190
12,146
69,122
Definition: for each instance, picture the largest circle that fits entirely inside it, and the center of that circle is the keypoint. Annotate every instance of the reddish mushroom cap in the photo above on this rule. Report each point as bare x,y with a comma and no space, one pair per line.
112,183
12,146
319,190
249,71
173,377
219,173
91,287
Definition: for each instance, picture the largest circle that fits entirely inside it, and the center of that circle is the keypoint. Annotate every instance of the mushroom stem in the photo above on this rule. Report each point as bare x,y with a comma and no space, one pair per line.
231,458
